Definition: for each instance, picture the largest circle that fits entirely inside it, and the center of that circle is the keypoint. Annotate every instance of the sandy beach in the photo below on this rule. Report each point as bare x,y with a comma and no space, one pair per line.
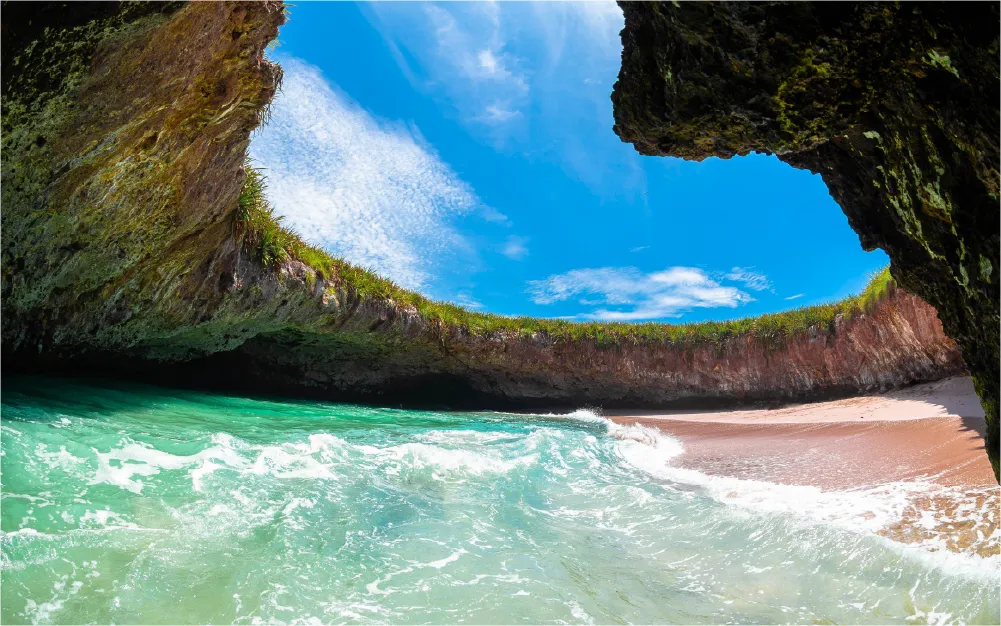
933,431
930,434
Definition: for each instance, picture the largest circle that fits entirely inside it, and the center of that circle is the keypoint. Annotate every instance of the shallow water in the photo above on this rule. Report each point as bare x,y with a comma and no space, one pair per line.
136,504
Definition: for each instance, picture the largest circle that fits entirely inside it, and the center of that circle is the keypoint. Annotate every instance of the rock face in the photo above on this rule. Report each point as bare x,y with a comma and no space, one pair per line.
124,130
894,105
124,133
896,343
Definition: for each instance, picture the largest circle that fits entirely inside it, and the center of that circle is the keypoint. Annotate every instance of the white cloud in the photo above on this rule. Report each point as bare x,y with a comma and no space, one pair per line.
494,66
638,248
495,63
797,296
372,192
467,301
484,65
497,114
597,24
491,214
753,280
514,248
469,43
488,61
525,77
638,296
530,78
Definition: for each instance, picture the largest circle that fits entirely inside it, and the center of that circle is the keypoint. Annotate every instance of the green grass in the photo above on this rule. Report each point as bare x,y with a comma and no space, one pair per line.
273,244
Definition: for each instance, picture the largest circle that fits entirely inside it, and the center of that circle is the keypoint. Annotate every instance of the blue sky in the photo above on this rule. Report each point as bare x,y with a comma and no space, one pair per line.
466,151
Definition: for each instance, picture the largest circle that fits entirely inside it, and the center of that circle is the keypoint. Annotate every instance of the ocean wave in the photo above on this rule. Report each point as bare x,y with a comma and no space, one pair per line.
920,518
470,517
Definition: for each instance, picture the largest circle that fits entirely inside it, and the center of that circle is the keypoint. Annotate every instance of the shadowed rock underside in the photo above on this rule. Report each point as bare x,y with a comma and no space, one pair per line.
896,106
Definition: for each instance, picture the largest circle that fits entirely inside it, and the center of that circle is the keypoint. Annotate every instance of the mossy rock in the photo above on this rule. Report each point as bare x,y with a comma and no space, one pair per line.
895,105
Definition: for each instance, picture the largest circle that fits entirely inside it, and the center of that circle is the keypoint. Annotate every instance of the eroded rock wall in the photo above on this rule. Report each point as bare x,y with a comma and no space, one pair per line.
898,342
125,127
895,105
121,173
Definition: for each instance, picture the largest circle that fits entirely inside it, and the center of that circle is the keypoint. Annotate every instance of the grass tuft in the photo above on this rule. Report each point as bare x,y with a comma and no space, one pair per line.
261,229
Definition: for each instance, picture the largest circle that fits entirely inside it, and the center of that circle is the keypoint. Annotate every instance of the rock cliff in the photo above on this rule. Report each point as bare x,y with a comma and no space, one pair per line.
124,133
895,105
896,342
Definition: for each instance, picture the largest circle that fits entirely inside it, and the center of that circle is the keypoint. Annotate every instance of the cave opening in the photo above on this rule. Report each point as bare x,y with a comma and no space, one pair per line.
543,212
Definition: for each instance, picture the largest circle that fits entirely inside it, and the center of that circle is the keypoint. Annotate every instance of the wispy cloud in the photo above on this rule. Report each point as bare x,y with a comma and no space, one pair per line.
497,114
797,296
491,214
490,64
514,248
373,192
562,24
636,295
753,280
582,56
638,248
506,68
466,300
462,56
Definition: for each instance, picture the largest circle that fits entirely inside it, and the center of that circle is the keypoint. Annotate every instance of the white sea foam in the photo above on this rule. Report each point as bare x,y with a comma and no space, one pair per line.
455,437
579,613
443,455
104,518
443,461
134,459
290,461
469,522
440,563
62,459
870,510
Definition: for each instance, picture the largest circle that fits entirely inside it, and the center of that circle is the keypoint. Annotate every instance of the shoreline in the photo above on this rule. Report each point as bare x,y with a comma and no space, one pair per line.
949,397
922,446
933,432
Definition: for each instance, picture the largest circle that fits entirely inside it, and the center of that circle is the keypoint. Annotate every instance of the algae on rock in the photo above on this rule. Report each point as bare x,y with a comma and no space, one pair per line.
895,105
125,127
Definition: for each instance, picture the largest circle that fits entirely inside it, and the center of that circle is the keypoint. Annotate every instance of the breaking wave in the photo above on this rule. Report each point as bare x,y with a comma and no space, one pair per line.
204,509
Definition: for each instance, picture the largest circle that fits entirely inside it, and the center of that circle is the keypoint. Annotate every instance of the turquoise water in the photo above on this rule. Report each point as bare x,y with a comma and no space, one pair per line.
134,504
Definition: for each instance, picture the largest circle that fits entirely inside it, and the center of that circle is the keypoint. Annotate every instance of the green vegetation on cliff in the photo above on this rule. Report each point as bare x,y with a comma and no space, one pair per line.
273,244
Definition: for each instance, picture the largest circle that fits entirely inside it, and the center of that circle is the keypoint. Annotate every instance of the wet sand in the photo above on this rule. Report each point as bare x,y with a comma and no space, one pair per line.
929,433
933,431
